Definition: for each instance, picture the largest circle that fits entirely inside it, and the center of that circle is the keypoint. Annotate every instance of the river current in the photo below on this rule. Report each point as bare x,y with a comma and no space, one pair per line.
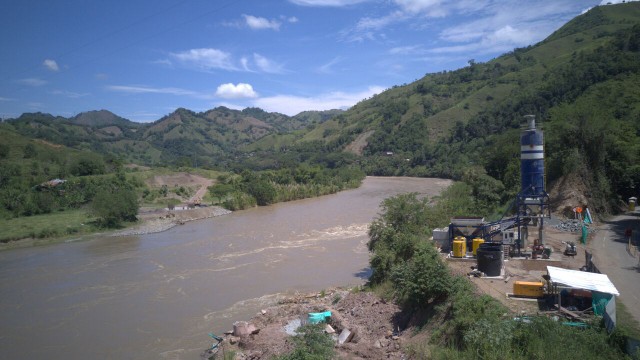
158,295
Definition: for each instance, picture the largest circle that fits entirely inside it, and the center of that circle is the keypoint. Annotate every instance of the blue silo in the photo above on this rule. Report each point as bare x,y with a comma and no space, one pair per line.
532,159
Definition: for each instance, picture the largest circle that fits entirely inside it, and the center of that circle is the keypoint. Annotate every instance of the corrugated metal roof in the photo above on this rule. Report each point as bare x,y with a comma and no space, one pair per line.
582,280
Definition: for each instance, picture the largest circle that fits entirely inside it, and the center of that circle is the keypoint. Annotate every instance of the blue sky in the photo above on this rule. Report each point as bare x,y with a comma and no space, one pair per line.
142,59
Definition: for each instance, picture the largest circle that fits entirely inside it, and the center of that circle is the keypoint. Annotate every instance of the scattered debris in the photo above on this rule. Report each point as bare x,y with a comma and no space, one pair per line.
292,326
345,336
329,330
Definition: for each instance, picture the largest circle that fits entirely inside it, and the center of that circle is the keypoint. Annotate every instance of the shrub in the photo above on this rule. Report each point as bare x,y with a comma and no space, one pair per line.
311,343
115,206
423,278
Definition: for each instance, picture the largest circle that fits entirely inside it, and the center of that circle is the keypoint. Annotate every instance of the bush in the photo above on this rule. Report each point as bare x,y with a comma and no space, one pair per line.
239,201
113,207
423,278
311,343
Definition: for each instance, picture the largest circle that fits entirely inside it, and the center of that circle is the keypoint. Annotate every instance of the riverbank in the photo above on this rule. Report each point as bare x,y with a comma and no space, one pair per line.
376,327
160,220
149,221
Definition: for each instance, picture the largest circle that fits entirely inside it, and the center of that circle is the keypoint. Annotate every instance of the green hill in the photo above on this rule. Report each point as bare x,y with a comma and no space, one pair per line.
581,83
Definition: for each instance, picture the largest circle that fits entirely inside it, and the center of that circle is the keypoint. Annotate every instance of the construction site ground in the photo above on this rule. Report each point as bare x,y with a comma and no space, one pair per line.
524,269
382,331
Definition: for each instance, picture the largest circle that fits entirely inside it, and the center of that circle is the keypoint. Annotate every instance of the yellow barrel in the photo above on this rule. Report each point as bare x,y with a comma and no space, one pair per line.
476,245
459,247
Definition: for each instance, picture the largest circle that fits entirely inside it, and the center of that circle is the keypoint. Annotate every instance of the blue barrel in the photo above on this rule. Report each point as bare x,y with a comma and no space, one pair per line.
532,160
490,259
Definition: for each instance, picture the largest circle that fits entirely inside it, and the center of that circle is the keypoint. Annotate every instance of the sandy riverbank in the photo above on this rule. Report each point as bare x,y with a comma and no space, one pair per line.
163,219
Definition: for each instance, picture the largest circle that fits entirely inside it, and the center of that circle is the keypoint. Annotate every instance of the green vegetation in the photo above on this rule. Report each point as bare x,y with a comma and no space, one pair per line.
115,205
249,189
582,83
311,343
64,223
473,326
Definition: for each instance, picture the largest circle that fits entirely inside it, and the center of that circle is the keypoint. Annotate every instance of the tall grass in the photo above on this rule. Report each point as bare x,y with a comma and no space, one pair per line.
57,224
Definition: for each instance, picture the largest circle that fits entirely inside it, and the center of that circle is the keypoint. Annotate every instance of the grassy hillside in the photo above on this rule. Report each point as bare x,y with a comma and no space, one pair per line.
581,83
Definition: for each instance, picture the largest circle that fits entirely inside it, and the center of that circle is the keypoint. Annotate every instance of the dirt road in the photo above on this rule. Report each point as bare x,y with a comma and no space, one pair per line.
613,256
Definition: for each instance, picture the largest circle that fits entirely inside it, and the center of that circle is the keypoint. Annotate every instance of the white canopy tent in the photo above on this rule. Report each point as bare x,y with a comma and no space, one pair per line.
582,280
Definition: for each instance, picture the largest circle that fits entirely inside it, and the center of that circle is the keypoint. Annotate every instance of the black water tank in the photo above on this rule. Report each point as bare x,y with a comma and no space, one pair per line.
490,259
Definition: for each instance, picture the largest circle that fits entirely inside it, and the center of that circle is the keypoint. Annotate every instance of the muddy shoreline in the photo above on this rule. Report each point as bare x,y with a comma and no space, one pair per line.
149,222
156,221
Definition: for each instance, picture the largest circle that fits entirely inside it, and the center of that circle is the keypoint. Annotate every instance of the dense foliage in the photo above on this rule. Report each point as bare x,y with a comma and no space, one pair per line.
115,203
249,188
474,326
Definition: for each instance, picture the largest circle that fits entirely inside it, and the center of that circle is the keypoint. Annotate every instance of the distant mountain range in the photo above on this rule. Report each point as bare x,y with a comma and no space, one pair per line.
220,132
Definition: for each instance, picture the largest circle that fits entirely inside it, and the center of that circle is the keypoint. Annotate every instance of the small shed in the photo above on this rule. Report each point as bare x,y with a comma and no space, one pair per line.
601,288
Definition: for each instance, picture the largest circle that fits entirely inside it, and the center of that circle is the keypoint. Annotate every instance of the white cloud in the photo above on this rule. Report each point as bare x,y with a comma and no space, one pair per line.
327,68
35,105
407,50
293,20
141,89
212,59
368,23
69,94
6,99
32,82
206,59
292,105
51,65
101,76
260,23
432,8
267,65
164,62
245,63
334,3
240,91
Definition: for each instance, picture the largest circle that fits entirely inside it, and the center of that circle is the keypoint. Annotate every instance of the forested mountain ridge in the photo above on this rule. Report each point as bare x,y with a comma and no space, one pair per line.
582,83
184,137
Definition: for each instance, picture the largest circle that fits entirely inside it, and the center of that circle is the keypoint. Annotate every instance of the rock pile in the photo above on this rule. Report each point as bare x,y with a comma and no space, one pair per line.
573,225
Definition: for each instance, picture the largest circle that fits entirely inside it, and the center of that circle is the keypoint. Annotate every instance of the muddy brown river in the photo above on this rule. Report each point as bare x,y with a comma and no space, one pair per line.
157,296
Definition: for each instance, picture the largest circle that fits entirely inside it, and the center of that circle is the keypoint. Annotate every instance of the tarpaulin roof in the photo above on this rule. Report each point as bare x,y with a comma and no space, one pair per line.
582,280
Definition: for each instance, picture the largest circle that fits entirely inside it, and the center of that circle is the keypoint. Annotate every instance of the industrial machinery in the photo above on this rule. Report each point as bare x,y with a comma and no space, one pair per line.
570,248
532,202
531,205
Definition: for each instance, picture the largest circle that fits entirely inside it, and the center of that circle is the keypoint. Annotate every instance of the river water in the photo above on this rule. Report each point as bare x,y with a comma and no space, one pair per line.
158,295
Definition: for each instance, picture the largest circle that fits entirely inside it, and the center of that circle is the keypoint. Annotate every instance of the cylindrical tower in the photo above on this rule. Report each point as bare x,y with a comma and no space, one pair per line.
532,159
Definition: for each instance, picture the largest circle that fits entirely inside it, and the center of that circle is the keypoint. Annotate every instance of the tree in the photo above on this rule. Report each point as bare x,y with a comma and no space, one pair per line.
88,164
264,192
4,151
29,151
112,207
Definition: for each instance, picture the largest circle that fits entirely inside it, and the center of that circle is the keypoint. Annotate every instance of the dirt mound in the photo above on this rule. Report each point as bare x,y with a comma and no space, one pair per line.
566,193
370,319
